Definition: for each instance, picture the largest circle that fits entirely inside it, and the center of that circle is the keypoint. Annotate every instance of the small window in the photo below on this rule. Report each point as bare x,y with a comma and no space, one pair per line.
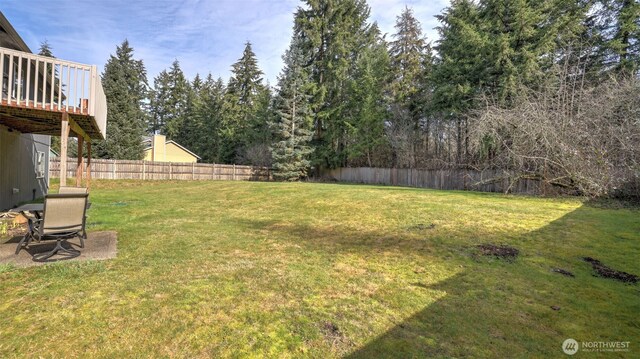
40,165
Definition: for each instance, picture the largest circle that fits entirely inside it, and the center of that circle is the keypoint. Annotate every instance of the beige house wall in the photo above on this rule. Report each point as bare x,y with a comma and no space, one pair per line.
161,151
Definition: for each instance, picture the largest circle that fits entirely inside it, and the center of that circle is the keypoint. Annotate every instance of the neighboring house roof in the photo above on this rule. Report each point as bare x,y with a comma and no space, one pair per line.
175,143
9,37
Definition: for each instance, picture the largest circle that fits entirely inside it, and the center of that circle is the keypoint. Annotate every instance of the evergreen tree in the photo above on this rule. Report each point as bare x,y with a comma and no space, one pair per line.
46,50
458,75
211,101
333,33
191,131
169,102
292,127
159,103
369,107
125,86
243,123
521,39
618,25
409,55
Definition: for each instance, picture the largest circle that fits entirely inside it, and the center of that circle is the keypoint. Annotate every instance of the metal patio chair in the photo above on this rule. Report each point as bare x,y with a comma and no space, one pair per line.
63,218
69,189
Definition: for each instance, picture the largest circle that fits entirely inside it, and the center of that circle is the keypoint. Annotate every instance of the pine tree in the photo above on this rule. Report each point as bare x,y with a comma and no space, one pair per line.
46,50
369,106
333,33
211,100
458,75
521,39
159,103
243,123
169,102
407,52
624,44
409,55
125,86
292,127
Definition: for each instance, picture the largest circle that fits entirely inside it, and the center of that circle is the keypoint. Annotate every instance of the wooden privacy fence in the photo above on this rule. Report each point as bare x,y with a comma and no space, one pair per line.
447,179
147,170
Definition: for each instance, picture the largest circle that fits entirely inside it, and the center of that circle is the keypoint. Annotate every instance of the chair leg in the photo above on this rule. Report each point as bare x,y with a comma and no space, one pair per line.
82,237
58,248
27,239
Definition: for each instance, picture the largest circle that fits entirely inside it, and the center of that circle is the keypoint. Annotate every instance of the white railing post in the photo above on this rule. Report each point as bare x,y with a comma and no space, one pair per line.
1,75
28,81
92,90
10,80
19,81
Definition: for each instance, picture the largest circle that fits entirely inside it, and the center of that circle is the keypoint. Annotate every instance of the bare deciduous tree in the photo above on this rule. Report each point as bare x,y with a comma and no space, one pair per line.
583,139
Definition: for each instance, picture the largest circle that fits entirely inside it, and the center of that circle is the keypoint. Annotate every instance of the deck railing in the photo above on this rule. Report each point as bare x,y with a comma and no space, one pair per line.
50,84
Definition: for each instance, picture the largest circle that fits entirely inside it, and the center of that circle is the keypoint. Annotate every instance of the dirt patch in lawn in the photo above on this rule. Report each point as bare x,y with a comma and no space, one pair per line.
333,335
499,251
421,227
607,272
564,272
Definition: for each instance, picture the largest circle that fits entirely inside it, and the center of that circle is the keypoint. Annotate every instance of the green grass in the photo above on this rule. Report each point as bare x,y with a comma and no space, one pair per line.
324,270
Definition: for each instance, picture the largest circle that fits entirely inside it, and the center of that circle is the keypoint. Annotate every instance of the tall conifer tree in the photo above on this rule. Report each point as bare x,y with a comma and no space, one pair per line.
292,128
243,122
333,34
125,85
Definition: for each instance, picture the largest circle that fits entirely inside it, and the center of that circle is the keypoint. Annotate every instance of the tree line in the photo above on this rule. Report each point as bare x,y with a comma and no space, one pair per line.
525,86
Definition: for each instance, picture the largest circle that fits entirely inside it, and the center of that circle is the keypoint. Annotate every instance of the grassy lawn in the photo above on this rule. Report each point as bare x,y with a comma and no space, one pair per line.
326,270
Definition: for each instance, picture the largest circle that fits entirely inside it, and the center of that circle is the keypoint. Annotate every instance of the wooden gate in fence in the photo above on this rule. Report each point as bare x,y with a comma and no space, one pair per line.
148,170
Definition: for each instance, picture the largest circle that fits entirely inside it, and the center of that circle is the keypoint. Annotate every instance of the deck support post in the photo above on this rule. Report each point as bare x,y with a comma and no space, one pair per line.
64,140
88,164
79,168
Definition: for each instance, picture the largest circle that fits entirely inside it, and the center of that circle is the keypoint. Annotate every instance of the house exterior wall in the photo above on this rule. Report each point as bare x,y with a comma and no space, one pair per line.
174,153
18,157
148,155
159,148
163,151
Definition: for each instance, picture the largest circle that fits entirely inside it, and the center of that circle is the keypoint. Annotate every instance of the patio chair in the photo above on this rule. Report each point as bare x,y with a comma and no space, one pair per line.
69,189
63,218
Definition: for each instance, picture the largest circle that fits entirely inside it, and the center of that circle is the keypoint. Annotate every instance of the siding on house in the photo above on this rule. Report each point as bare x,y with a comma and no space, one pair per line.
18,156
161,150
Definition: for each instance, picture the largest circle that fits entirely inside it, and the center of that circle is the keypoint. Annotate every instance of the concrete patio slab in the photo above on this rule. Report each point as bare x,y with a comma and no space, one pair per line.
98,245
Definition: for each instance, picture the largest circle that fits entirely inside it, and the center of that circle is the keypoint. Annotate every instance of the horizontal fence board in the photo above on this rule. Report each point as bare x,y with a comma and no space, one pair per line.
445,179
148,170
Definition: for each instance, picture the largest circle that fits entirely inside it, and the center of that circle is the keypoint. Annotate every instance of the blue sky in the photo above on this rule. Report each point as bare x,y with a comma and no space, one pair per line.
204,35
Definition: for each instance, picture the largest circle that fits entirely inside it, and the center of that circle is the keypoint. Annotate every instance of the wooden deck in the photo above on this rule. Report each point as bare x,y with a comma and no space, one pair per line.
35,92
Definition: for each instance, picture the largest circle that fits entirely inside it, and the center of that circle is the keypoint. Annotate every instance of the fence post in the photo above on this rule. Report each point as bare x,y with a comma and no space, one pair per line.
234,172
193,171
213,172
143,170
170,170
113,169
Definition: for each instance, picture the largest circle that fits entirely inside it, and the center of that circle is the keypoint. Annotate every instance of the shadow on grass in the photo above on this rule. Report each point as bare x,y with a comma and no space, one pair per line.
491,307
